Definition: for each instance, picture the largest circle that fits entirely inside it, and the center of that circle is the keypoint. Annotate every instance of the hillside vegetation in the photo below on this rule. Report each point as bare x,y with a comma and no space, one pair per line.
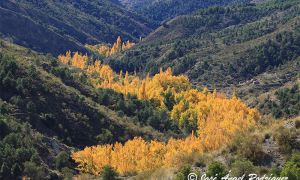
57,26
58,102
161,10
213,91
224,47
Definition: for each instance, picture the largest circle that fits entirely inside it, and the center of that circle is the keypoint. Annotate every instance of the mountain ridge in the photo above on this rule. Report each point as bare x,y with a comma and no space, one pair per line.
163,10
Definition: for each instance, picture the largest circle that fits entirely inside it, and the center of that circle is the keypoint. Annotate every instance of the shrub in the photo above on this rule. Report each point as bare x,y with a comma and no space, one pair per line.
241,167
4,129
105,137
291,168
250,148
33,171
4,170
67,173
262,170
216,169
201,161
275,171
183,172
62,160
3,108
109,173
288,102
30,106
15,170
297,124
287,139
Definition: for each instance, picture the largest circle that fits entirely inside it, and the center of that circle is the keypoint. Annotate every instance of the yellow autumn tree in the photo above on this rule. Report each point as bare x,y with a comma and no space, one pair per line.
127,45
65,59
107,50
104,50
217,118
77,60
136,155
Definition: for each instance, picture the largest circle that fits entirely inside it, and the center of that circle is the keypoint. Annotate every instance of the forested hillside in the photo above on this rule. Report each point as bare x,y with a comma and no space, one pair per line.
214,91
161,10
60,102
65,104
57,26
135,4
223,47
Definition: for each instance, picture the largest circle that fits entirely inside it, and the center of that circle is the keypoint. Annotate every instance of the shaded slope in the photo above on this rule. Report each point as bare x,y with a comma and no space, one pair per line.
57,26
57,103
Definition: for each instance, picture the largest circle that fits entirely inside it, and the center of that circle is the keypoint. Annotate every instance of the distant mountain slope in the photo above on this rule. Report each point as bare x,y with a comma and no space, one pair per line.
223,47
136,4
54,100
57,26
160,10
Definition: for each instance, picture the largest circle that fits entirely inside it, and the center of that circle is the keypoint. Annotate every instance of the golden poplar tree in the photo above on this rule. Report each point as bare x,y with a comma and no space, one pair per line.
217,117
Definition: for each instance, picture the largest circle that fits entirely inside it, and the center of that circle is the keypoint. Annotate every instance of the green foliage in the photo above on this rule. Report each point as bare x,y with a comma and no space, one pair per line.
61,26
105,136
216,169
221,47
34,171
4,109
159,11
275,171
62,72
4,129
292,168
249,147
108,173
287,102
4,171
183,172
145,112
61,106
285,48
287,139
62,160
30,106
241,167
68,173
55,100
169,100
17,146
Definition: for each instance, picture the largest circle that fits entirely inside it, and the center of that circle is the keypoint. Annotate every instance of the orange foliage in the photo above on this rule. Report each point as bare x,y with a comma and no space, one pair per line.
65,59
127,45
77,60
118,46
218,119
135,155
102,76
104,50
